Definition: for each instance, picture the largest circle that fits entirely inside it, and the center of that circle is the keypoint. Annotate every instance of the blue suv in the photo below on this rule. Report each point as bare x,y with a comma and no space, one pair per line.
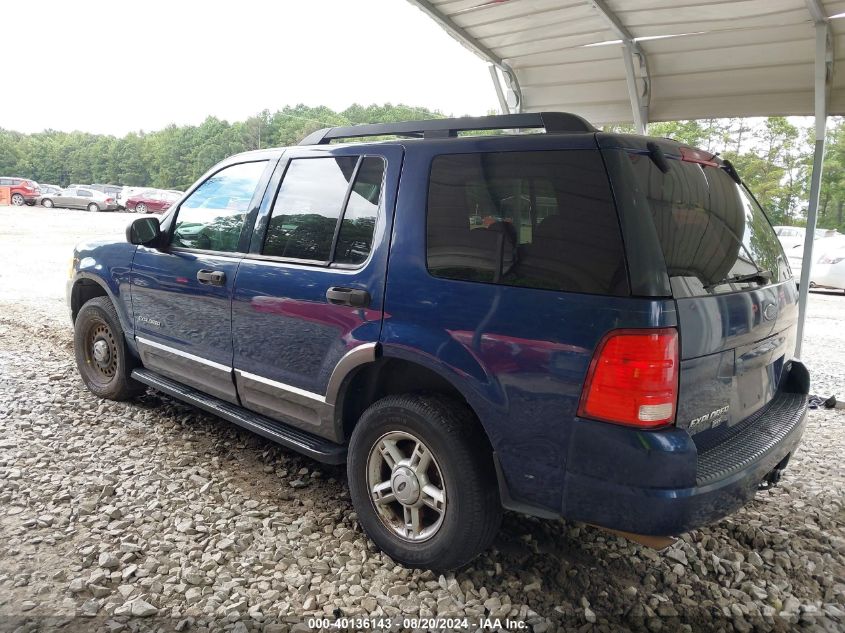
571,323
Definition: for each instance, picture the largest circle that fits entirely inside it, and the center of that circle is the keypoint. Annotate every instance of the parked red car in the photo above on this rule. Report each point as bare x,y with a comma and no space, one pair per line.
22,191
151,201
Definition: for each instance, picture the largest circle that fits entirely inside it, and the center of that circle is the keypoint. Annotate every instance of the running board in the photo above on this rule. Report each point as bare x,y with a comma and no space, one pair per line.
301,441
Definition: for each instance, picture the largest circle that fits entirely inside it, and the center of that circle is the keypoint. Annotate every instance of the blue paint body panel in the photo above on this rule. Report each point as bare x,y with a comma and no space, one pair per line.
518,355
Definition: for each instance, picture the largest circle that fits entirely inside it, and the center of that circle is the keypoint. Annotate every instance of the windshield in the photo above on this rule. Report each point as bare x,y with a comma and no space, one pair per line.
715,237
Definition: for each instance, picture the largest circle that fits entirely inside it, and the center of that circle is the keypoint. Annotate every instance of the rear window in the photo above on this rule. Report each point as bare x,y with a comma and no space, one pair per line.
711,230
542,219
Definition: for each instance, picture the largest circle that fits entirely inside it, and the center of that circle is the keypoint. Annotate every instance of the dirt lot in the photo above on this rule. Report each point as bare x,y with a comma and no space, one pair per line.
132,516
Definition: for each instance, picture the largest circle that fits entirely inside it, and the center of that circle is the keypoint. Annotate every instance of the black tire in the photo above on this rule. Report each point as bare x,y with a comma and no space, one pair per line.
94,207
141,208
472,512
18,200
110,377
47,203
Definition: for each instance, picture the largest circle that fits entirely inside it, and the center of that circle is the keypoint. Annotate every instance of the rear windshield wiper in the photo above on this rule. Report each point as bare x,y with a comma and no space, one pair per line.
761,276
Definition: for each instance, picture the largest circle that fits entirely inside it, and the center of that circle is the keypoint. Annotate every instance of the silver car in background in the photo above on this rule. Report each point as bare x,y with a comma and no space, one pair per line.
80,198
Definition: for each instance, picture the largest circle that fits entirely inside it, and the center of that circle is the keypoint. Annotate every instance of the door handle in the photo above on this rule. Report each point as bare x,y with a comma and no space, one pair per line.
348,297
212,277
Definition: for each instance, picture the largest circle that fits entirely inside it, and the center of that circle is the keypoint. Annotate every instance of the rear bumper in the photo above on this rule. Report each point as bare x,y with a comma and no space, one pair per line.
663,483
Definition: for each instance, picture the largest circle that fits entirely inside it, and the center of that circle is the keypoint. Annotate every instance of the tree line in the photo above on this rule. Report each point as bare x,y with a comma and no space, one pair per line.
773,155
173,158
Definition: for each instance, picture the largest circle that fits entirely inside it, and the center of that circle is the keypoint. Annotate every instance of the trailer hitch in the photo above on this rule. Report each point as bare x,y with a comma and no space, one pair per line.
773,477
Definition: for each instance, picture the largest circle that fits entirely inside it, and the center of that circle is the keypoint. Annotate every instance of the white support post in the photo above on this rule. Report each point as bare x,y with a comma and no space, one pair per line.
630,49
821,84
637,109
500,94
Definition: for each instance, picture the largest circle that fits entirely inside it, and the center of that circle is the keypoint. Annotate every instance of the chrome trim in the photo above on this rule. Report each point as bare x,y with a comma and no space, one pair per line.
355,357
281,386
179,352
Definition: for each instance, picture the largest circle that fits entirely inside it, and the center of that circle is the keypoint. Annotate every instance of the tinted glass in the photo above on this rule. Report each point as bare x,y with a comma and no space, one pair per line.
355,239
84,193
711,230
212,217
541,219
307,208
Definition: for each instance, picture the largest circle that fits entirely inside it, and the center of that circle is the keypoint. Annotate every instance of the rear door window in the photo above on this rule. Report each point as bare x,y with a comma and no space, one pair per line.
542,219
711,229
326,203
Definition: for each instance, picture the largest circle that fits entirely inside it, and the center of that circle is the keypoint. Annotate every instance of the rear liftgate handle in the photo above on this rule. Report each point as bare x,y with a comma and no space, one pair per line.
212,277
348,297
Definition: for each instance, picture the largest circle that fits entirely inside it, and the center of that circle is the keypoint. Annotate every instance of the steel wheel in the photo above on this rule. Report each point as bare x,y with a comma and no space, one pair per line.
18,200
140,208
101,352
47,203
406,486
93,207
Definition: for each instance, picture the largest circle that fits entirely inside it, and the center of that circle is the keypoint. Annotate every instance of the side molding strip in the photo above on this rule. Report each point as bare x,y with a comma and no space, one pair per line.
281,386
178,352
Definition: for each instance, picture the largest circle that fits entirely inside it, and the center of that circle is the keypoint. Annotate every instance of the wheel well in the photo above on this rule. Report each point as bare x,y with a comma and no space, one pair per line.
84,290
390,376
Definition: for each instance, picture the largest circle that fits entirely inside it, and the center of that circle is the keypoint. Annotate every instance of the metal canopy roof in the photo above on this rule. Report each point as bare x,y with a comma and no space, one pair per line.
687,59
653,60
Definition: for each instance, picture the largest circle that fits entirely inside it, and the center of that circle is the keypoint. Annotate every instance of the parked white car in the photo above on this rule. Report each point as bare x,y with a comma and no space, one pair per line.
828,270
791,236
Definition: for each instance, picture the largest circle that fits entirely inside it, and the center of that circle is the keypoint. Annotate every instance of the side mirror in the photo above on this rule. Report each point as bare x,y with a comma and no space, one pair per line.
143,231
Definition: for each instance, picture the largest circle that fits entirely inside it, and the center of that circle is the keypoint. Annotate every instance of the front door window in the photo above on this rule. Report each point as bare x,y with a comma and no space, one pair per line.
212,217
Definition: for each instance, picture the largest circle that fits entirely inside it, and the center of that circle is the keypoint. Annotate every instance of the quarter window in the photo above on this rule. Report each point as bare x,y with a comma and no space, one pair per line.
212,217
542,219
355,239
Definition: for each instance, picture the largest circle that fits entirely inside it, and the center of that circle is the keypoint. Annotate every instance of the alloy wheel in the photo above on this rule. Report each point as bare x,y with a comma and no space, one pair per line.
406,486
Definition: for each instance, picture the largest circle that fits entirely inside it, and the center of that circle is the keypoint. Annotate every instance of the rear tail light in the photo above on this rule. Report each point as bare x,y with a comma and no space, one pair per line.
692,155
633,379
109,200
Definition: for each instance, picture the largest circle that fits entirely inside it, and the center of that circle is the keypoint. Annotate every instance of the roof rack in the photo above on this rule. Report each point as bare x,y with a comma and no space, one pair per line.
553,122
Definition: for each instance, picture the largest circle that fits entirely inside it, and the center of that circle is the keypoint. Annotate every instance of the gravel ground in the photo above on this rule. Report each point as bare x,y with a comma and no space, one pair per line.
150,515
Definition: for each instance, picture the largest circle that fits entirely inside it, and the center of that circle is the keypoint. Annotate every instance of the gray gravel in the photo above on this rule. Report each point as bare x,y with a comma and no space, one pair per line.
113,515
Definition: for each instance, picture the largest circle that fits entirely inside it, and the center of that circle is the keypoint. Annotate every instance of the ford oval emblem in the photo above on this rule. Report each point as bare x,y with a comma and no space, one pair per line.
770,312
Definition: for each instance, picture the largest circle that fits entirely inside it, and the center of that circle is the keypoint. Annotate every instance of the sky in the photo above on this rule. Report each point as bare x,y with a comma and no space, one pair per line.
114,66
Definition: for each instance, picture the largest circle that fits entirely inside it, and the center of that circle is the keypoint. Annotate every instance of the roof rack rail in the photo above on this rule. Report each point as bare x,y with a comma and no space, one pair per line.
553,122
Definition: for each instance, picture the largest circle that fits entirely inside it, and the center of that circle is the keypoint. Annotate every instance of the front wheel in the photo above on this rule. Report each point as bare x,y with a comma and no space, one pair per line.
140,208
102,356
18,200
46,202
422,481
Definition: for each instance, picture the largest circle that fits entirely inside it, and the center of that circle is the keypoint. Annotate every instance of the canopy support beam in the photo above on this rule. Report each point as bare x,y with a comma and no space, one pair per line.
631,51
462,35
497,86
822,76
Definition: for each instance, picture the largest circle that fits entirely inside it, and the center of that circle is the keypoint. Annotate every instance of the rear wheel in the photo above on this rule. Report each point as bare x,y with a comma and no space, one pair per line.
140,208
18,200
102,355
93,207
422,481
47,203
